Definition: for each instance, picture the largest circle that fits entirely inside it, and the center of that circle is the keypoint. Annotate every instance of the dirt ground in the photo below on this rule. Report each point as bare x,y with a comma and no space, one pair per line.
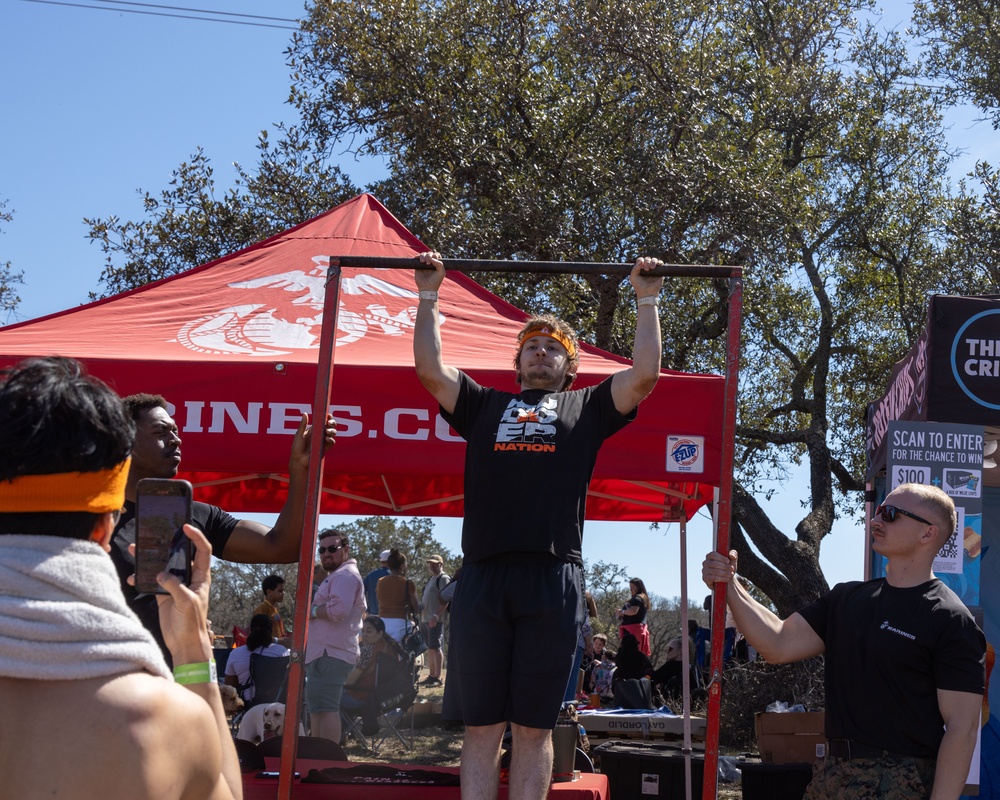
438,746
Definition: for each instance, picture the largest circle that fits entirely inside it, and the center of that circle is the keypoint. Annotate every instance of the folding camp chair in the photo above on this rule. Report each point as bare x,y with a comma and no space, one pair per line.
221,656
269,676
395,692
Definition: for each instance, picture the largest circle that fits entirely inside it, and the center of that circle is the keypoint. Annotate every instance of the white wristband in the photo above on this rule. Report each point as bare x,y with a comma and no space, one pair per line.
426,294
648,300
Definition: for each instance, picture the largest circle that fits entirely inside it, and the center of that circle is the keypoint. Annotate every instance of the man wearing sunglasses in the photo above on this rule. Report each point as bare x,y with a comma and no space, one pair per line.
332,647
904,660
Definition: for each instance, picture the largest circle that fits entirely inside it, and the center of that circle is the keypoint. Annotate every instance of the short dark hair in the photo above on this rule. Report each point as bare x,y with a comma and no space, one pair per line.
326,533
56,418
270,583
135,404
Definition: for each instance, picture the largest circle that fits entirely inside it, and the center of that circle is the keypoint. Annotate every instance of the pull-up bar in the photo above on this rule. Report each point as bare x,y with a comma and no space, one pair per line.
321,401
542,267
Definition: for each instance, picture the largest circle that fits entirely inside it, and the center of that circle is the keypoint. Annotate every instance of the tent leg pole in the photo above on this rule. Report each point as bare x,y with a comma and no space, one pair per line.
303,593
723,521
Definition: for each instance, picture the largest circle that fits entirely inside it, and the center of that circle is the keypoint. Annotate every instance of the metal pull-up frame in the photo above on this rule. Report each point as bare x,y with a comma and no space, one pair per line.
321,402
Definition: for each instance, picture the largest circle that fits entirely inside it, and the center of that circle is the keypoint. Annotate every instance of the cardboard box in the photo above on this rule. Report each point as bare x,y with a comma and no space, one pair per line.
790,738
426,714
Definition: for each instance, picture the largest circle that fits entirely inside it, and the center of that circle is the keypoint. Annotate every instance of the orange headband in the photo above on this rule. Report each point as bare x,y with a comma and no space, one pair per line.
95,492
545,330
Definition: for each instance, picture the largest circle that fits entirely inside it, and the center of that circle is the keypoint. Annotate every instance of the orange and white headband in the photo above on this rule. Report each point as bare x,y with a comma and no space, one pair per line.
94,492
552,333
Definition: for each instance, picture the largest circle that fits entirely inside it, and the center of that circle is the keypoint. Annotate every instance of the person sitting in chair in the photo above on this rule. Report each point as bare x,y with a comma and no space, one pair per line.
381,658
668,676
631,662
260,640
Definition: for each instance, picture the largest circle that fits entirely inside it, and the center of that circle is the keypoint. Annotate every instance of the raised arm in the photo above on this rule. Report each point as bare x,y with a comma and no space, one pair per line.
631,385
254,543
437,377
779,641
183,615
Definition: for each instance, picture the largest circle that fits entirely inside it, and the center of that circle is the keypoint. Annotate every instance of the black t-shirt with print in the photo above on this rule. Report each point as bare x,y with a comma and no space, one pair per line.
528,463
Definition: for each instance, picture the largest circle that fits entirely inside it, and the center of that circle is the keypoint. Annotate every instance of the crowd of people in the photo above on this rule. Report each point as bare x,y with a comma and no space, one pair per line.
137,666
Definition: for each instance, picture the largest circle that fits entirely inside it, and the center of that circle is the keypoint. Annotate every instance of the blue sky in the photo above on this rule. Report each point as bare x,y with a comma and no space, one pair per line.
101,103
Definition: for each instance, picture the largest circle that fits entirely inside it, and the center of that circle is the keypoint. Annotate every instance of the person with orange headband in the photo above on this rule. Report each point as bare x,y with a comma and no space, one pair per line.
157,454
519,607
68,641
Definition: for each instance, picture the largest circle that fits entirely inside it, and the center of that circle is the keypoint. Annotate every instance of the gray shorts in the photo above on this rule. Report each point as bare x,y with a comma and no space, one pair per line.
432,635
325,679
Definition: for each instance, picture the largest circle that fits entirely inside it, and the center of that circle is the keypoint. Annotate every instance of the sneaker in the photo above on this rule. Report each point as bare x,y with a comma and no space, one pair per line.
432,682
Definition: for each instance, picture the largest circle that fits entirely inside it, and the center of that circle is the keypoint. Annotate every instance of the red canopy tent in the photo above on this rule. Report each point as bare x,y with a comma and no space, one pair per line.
232,345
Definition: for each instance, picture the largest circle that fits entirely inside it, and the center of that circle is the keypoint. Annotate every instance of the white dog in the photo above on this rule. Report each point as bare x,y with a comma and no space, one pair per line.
264,722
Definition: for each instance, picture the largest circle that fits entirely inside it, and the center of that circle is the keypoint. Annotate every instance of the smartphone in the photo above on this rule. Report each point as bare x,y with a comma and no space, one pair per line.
162,507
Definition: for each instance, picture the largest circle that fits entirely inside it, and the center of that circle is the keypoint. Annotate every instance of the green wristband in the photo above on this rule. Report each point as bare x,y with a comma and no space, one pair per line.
204,672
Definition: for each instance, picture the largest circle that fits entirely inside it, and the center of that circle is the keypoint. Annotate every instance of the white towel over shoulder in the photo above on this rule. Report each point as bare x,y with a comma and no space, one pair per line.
63,615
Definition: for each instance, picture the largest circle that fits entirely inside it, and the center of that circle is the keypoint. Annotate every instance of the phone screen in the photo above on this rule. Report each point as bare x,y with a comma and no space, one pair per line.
162,508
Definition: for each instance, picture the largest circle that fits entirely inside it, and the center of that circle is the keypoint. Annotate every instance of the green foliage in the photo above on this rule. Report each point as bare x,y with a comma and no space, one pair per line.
974,237
236,588
777,135
963,44
753,686
236,592
782,136
9,299
414,538
609,586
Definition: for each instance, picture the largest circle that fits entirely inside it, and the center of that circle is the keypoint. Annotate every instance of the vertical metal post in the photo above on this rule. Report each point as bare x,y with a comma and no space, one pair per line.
314,487
685,662
723,520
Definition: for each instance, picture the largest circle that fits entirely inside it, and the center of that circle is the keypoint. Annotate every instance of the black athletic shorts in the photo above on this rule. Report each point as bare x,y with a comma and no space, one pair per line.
515,625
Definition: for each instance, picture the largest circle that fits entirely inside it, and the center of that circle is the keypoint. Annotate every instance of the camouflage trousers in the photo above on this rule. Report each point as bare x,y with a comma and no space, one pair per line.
871,779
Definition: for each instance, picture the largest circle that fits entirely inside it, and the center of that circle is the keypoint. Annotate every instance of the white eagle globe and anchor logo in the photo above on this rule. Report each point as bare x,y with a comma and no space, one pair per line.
284,312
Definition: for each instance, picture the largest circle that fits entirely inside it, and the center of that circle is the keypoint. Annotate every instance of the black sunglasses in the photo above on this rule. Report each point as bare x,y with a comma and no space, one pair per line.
330,549
888,514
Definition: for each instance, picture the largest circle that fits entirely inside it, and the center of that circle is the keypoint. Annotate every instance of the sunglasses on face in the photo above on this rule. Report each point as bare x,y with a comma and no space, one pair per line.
330,549
888,514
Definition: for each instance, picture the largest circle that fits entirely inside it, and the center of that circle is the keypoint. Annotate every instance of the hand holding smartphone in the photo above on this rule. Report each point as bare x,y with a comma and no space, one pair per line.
162,508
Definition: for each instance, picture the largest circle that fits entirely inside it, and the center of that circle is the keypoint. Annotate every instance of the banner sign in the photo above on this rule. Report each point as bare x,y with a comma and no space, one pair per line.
951,372
949,456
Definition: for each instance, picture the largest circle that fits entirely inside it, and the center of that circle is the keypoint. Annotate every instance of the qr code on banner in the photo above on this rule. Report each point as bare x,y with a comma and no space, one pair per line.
949,549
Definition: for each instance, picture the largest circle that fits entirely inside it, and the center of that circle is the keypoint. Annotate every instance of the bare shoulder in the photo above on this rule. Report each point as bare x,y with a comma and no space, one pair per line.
155,739
177,735
147,729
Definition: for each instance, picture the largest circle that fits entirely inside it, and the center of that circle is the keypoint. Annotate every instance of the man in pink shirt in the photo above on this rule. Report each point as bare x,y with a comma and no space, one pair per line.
332,647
